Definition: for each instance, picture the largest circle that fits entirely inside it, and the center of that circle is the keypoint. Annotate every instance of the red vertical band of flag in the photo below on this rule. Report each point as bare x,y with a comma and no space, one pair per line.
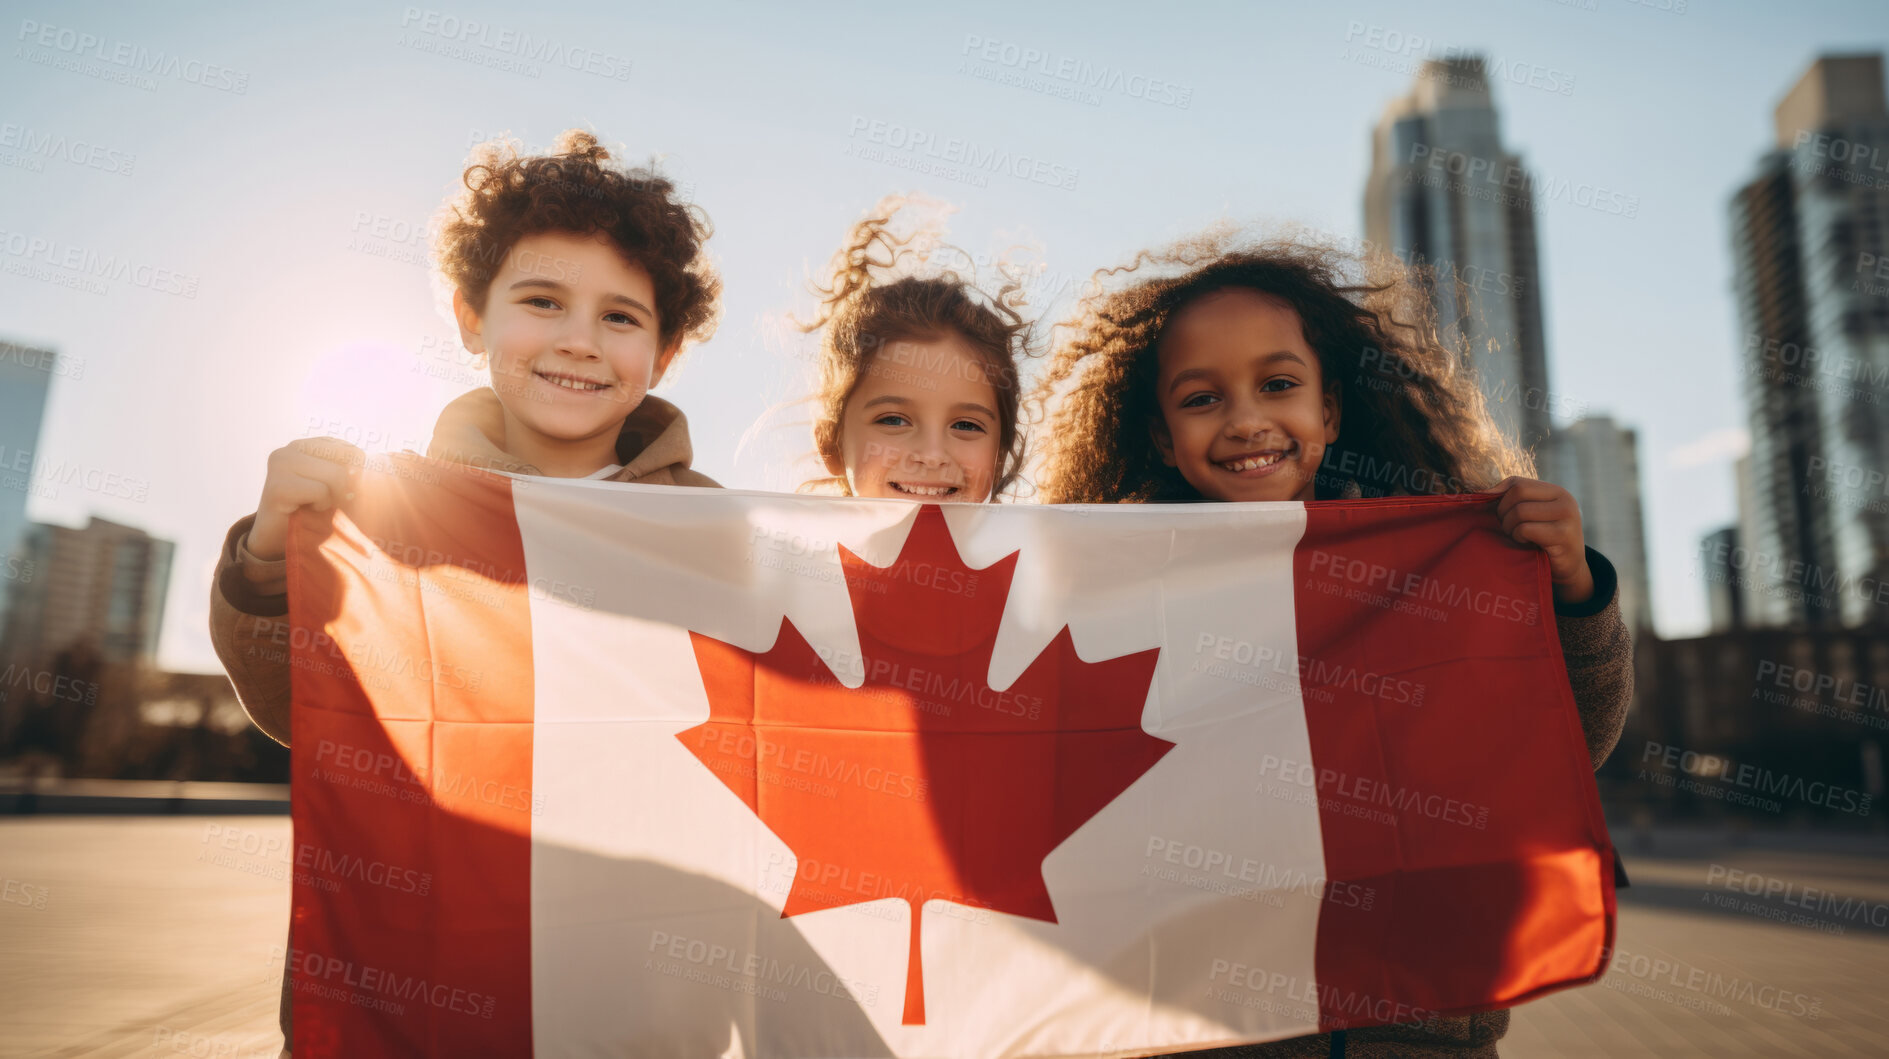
412,790
1413,796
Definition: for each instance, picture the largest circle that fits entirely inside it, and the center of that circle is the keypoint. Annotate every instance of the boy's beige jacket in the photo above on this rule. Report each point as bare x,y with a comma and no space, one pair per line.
249,597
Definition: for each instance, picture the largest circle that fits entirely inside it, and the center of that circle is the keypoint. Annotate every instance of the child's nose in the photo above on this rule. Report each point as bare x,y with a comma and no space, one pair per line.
926,456
1246,418
930,451
576,340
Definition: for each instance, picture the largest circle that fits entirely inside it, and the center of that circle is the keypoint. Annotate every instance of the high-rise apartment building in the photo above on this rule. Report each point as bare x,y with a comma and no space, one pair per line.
1599,463
101,586
1724,603
1808,236
1445,194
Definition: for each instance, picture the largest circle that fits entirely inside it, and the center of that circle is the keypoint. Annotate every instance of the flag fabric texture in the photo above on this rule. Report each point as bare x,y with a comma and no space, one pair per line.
583,768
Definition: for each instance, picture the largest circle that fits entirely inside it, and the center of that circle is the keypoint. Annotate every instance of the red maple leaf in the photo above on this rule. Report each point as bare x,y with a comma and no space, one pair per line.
924,783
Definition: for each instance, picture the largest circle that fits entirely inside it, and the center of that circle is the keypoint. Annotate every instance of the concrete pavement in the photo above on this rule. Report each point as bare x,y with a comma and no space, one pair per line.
162,936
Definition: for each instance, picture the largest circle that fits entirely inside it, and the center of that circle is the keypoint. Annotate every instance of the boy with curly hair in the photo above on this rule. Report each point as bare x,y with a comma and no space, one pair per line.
580,282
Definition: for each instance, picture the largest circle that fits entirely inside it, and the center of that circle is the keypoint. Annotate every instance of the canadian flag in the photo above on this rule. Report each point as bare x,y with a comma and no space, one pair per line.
583,768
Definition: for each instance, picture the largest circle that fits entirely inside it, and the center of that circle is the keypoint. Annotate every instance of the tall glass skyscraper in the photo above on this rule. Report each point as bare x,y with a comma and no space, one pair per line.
1808,236
1444,193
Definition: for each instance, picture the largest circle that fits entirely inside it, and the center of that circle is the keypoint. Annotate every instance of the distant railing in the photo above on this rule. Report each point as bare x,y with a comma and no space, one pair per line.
119,797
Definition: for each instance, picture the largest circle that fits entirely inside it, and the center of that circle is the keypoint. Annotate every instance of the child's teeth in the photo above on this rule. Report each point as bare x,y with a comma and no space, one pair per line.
573,384
1253,462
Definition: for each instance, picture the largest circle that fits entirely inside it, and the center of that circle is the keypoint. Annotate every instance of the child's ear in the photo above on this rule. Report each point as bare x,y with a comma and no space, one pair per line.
1163,441
471,329
1334,412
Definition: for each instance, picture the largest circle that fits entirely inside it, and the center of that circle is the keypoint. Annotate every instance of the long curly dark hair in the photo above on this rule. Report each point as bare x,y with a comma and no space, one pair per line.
573,188
1412,420
862,312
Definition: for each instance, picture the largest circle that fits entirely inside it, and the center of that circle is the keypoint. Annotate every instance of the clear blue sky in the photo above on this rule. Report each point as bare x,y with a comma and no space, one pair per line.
354,120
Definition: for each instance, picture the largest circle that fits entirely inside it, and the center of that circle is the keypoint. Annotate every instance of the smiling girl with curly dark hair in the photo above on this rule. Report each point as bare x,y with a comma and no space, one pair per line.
1227,369
1413,420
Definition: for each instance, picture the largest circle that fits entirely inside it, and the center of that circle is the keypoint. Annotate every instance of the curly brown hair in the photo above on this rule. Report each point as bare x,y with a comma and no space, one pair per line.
862,313
1414,420
507,196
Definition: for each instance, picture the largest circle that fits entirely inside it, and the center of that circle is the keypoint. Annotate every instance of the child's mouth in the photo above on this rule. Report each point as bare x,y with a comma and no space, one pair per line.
576,383
1259,464
925,492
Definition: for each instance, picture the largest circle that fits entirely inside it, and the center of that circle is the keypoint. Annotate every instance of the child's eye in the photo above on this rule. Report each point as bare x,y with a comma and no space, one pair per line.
1284,384
541,302
1199,400
892,419
620,318
968,424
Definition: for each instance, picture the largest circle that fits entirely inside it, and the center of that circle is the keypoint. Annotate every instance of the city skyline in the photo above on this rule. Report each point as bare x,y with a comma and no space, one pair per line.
276,233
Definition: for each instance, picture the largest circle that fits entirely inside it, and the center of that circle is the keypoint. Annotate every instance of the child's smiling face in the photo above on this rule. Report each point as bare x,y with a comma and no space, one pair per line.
1244,410
575,344
921,424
